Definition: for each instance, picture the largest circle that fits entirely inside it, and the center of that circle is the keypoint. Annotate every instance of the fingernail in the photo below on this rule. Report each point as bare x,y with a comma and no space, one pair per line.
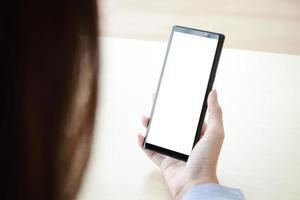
213,96
213,93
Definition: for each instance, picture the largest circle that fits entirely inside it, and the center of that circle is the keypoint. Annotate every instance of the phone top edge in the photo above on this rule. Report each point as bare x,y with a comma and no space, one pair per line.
209,34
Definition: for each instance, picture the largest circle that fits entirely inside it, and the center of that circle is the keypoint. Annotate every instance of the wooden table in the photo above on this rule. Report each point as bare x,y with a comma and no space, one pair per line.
259,93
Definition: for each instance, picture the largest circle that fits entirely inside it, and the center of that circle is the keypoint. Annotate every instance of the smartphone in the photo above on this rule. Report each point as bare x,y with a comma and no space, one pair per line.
180,103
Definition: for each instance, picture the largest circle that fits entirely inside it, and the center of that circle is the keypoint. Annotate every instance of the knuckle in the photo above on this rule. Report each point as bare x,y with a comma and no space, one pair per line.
219,110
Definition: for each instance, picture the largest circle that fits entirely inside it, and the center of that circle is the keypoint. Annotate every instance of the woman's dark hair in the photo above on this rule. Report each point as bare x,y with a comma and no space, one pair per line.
48,82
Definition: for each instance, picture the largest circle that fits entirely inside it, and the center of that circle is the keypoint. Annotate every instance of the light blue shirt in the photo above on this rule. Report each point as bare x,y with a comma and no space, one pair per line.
212,191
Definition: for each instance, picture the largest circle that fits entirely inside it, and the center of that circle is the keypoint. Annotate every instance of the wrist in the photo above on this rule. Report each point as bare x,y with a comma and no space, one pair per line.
189,184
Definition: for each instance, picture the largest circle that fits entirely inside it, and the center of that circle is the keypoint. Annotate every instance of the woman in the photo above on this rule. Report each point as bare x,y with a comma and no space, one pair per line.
49,61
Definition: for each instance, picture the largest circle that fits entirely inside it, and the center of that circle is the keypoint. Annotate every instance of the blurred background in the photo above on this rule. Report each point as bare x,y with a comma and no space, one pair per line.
260,25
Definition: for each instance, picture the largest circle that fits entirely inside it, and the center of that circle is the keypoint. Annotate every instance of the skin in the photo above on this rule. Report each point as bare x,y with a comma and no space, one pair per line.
202,163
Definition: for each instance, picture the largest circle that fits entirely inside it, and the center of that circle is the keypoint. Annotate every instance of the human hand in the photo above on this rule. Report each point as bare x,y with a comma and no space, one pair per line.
202,163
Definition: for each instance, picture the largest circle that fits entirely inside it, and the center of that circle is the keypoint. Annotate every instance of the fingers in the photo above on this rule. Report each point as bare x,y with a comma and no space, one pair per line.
203,129
214,110
140,140
155,157
145,121
215,128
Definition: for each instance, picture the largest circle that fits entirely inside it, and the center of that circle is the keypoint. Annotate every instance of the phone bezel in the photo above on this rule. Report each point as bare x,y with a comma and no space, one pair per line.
220,38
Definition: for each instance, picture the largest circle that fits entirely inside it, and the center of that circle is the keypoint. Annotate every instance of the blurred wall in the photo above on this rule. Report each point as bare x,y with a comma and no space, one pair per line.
263,25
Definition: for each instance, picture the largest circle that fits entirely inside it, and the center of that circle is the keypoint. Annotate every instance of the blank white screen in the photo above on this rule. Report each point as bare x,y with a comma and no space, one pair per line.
179,102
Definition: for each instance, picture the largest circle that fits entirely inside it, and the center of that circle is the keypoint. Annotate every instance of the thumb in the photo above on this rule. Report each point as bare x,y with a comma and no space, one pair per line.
214,111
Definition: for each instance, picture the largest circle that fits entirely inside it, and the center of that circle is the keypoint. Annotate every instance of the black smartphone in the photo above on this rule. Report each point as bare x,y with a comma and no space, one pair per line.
180,102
